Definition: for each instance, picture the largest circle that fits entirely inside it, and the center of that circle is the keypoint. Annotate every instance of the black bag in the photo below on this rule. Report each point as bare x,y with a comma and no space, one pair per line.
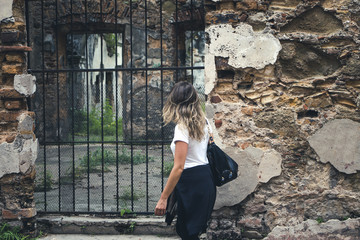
171,208
223,167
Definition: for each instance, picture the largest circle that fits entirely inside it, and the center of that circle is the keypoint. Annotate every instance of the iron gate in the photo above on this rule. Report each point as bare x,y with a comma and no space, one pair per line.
104,69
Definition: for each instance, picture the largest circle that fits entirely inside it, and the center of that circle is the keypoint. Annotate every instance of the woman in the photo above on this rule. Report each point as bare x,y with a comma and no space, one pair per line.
191,175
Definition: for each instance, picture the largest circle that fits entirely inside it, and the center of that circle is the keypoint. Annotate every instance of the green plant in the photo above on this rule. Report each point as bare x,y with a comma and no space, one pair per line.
41,184
106,124
124,211
12,233
167,168
126,196
132,227
320,220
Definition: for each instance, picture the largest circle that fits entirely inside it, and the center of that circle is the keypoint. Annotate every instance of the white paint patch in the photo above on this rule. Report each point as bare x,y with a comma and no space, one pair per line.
5,9
338,142
244,47
17,156
25,84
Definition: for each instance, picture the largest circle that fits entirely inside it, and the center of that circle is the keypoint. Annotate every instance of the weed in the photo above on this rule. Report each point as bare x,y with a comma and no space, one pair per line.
41,184
97,125
167,168
124,211
132,226
12,233
126,196
320,220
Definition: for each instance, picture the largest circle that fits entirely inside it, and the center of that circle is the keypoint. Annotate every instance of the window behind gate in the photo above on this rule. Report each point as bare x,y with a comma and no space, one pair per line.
104,69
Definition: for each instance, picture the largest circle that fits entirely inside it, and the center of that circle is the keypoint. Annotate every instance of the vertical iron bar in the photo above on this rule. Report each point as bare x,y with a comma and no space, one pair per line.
176,41
28,99
87,109
192,42
72,103
146,113
44,109
131,108
102,113
58,87
162,96
116,111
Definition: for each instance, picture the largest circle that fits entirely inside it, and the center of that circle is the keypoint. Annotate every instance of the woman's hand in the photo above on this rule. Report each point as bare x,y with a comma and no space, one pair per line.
160,208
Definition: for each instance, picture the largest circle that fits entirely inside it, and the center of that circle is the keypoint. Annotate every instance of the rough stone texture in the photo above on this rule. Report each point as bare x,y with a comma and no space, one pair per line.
25,84
338,142
18,156
243,46
309,95
6,9
311,229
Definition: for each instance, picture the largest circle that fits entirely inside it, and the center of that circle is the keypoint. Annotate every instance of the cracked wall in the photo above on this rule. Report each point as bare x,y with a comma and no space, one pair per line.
18,144
288,114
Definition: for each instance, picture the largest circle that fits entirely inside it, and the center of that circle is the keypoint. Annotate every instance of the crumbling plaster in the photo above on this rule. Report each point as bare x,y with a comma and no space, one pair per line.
6,9
338,142
25,84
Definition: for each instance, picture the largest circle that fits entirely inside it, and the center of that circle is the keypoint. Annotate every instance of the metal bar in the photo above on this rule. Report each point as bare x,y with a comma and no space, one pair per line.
192,42
146,113
105,213
102,114
162,95
131,108
72,105
136,142
116,111
120,69
43,99
58,91
87,109
176,42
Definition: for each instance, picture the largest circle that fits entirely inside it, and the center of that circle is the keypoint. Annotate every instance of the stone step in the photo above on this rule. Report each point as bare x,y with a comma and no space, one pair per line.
86,224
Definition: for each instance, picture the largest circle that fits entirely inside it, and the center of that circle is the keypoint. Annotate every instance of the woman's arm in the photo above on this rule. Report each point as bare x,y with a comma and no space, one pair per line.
181,149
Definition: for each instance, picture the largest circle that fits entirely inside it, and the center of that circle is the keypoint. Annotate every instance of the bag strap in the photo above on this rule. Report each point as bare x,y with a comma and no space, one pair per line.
211,136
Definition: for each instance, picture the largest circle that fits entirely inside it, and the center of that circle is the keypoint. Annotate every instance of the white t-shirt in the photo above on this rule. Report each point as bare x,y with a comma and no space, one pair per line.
196,154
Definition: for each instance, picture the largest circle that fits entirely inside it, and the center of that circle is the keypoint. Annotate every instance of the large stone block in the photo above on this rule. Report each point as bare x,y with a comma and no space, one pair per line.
338,142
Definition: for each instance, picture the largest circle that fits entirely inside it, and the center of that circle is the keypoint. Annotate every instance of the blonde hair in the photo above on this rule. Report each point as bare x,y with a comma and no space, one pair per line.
183,107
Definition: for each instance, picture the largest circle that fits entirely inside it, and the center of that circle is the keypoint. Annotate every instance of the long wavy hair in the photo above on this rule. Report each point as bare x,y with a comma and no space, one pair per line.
183,107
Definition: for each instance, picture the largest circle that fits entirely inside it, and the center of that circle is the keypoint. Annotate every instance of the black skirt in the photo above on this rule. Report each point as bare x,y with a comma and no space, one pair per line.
196,194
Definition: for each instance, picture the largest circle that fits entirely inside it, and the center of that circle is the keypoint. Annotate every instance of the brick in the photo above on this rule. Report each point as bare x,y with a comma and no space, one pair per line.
247,5
13,105
7,116
10,138
218,123
12,36
247,111
215,99
222,18
18,214
12,68
13,57
10,93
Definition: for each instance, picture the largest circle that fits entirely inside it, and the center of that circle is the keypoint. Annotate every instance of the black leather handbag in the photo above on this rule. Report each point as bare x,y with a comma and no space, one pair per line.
223,167
171,208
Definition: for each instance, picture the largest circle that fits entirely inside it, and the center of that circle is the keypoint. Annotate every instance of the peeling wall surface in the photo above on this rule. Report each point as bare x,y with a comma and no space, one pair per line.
282,79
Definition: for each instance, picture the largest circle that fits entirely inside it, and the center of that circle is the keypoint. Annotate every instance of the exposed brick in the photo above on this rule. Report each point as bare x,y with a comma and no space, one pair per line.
13,57
18,214
247,5
218,123
12,68
10,138
222,18
13,105
12,36
247,111
9,116
10,93
215,99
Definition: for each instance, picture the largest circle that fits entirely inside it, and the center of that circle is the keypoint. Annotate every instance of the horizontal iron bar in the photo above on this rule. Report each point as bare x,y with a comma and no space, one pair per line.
115,69
108,142
90,212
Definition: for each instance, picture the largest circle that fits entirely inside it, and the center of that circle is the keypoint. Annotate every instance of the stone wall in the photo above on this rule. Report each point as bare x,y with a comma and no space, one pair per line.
282,79
18,144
